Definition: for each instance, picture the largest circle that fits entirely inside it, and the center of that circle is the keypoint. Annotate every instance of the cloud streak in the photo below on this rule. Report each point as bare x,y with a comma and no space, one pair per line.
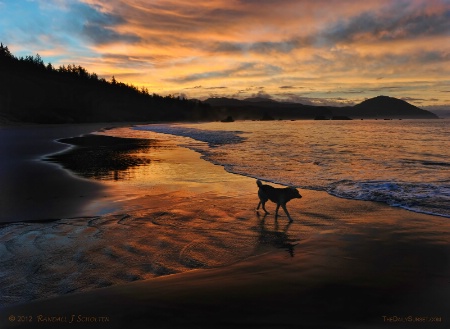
244,70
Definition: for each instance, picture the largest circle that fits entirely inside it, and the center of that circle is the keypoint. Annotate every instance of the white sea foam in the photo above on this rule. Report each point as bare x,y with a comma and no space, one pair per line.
212,138
425,198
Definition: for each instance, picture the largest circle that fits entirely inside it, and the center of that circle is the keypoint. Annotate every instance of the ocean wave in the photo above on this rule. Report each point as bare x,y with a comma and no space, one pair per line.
212,138
419,197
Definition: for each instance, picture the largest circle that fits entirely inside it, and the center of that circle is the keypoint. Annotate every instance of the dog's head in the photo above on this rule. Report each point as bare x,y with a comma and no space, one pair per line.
294,193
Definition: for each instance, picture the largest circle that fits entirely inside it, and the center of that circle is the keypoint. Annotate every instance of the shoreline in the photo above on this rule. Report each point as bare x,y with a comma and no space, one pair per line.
36,190
342,263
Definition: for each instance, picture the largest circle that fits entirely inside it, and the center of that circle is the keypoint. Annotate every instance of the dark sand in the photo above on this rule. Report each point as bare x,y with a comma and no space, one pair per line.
33,190
341,264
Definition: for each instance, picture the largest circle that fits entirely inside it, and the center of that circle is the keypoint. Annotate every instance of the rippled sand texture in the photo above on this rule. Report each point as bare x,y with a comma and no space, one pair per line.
40,260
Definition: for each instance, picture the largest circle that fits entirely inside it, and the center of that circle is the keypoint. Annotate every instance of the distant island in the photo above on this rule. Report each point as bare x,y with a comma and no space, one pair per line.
31,91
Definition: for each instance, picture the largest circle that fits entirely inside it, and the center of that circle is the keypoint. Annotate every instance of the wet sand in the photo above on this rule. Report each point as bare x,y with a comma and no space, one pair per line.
203,258
32,190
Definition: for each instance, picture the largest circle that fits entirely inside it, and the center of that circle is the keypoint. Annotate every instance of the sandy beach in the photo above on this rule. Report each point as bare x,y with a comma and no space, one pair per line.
200,256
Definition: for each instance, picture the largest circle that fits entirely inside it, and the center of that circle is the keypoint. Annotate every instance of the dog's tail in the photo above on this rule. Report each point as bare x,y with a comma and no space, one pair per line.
259,183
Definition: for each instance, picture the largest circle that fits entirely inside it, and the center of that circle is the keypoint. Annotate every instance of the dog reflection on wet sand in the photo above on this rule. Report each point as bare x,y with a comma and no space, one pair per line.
280,196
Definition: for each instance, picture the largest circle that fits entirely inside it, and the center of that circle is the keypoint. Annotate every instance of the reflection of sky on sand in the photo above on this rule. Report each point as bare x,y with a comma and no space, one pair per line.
103,157
169,166
136,168
276,235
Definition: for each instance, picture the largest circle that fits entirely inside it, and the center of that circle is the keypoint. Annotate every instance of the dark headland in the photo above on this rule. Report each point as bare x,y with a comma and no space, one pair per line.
31,91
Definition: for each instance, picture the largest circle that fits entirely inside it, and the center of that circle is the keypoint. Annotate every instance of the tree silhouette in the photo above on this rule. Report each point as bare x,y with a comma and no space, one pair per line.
5,53
42,93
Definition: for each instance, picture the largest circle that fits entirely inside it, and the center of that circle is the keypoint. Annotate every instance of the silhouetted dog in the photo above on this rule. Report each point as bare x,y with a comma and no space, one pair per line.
280,196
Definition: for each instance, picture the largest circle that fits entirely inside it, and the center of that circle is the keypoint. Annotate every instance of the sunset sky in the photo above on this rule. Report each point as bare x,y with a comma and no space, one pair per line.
313,52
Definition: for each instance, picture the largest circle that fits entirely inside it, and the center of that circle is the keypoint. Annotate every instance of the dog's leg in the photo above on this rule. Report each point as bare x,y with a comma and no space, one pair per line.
276,211
264,207
261,203
287,213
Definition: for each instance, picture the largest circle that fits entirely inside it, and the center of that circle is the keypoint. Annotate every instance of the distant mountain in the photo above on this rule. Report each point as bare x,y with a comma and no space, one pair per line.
442,111
389,107
260,100
252,101
223,101
380,107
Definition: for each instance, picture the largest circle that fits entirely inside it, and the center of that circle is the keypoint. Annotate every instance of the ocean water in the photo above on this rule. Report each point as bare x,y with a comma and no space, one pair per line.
403,163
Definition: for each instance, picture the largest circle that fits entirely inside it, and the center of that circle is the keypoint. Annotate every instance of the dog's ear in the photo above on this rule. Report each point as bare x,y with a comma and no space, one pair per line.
294,192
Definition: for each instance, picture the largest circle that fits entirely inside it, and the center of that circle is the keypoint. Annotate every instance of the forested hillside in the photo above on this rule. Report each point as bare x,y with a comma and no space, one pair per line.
31,91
